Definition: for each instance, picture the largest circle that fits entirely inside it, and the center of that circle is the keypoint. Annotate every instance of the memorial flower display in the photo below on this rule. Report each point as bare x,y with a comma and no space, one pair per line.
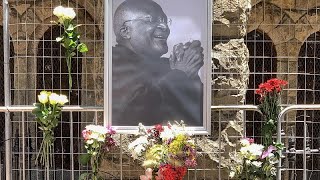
255,161
97,140
70,38
269,98
167,150
47,113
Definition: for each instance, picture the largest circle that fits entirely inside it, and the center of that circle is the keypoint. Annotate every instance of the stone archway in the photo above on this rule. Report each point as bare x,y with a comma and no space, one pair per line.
309,93
263,66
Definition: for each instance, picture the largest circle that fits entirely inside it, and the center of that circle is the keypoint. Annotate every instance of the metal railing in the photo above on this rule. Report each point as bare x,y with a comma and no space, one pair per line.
23,155
305,149
23,110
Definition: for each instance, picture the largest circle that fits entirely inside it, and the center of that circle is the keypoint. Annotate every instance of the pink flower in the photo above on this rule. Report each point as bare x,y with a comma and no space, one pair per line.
111,131
86,134
268,151
148,175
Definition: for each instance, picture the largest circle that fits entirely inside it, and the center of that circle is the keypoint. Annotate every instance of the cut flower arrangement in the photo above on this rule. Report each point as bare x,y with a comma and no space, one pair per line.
98,140
255,161
167,151
47,113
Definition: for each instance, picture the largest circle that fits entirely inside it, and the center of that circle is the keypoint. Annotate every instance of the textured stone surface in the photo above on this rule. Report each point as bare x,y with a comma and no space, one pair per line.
230,81
230,17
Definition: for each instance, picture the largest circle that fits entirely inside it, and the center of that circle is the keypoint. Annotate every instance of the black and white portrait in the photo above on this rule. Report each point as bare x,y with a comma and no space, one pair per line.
158,57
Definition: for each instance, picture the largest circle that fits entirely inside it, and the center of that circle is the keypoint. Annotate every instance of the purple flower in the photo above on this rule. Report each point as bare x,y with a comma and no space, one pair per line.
268,151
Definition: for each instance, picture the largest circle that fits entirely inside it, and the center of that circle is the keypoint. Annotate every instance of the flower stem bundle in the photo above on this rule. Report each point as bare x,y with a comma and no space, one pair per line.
97,139
47,113
269,97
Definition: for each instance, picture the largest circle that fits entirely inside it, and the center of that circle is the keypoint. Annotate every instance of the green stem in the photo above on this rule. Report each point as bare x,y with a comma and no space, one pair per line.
69,69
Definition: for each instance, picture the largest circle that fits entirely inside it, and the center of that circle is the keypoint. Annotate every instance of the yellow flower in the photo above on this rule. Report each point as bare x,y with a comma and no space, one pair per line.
62,99
43,97
176,145
54,98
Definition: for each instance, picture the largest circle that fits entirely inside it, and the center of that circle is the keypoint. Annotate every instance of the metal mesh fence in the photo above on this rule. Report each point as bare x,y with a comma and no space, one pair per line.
282,39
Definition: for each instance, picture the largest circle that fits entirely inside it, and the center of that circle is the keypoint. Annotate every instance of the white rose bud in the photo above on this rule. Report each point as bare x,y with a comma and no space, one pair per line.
54,98
43,97
58,11
63,99
69,13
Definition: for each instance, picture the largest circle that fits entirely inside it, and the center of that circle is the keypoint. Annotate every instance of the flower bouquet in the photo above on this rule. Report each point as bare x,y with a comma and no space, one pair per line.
70,39
255,161
47,114
167,150
269,98
97,139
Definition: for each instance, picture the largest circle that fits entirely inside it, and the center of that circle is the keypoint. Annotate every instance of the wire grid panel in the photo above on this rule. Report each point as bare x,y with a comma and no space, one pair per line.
38,63
302,157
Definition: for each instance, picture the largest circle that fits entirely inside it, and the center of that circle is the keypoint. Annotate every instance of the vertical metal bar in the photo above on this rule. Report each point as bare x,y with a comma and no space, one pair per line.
121,170
280,117
71,145
7,96
304,145
23,148
107,64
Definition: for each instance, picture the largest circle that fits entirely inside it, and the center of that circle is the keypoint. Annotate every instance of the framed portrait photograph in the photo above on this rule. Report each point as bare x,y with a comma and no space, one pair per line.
157,64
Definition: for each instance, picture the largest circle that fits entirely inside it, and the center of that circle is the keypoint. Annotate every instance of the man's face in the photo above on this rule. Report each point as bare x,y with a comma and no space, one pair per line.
149,33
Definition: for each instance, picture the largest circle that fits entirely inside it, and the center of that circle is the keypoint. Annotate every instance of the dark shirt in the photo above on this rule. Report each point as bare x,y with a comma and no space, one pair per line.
148,91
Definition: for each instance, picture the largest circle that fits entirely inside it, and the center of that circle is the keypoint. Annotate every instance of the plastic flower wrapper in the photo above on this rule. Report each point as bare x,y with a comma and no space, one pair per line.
164,149
70,39
98,140
47,113
255,161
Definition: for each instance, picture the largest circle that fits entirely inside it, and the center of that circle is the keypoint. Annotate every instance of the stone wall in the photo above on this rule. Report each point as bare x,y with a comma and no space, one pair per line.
287,22
231,73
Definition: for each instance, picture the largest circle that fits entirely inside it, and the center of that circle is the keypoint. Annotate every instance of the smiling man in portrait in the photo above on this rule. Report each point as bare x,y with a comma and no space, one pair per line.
147,87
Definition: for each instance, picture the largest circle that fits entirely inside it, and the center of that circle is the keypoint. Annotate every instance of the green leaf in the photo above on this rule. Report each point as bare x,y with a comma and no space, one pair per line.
84,159
84,176
58,39
70,27
82,48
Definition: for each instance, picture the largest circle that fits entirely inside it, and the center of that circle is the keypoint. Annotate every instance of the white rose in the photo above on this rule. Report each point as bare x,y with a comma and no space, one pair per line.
69,13
138,149
232,174
90,141
257,163
244,142
58,11
256,149
43,97
101,138
63,99
98,129
167,134
54,98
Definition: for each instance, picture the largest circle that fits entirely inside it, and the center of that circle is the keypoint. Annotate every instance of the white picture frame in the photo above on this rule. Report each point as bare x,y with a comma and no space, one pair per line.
192,21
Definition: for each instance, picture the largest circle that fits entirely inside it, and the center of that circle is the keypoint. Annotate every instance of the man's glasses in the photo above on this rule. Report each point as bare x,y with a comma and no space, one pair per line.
150,19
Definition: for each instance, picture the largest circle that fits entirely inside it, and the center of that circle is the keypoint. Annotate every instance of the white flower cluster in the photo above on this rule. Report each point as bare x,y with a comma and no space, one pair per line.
64,13
94,133
138,146
252,151
52,98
